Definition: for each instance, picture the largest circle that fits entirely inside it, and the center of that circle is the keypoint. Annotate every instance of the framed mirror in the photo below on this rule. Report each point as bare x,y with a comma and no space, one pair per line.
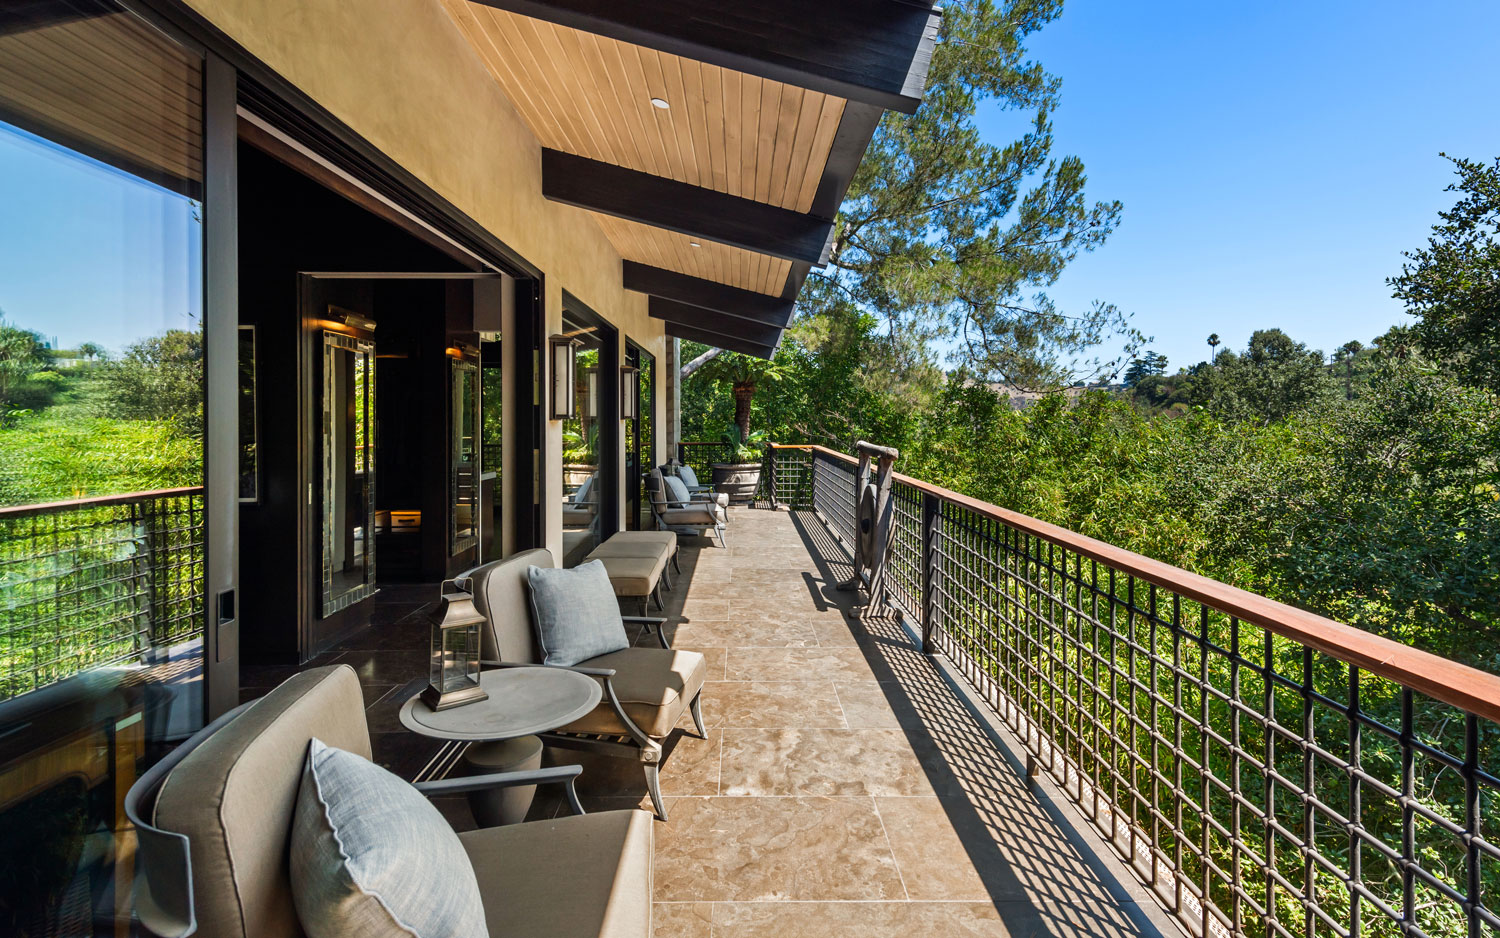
463,518
348,470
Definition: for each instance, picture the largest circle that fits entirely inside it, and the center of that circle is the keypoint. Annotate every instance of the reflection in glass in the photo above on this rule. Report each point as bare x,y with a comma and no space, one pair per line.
102,549
249,419
463,528
581,483
348,470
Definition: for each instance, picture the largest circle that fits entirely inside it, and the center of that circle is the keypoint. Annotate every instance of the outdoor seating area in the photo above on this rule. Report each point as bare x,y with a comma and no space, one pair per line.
836,783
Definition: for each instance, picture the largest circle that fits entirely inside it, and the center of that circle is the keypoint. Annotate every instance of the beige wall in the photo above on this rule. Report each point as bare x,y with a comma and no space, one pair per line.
402,76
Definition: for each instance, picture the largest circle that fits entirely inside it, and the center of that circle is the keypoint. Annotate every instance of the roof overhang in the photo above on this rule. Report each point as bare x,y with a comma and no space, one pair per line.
713,142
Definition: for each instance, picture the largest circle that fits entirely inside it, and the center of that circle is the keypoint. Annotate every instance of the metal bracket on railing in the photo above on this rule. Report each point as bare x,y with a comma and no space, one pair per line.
872,512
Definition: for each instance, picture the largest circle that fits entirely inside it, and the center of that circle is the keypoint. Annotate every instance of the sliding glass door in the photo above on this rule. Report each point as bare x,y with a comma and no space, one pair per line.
102,428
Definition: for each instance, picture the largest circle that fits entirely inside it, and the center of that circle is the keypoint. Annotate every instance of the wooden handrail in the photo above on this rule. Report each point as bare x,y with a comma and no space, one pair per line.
1440,678
102,501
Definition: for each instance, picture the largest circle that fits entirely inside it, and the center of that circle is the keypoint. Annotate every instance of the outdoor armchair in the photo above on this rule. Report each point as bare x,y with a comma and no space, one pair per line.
689,477
698,517
646,689
213,856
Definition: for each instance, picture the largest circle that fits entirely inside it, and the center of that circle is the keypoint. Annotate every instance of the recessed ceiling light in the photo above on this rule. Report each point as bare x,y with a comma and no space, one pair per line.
694,244
660,103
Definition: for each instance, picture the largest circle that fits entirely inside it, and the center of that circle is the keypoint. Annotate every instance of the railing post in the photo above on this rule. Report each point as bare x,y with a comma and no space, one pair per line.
682,452
771,474
931,528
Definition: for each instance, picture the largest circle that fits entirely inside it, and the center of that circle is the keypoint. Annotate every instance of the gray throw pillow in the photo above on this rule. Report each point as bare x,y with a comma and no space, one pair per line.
371,856
575,613
677,493
689,477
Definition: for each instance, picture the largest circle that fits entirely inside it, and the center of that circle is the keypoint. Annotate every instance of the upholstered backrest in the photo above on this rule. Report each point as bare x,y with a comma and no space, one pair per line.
234,796
502,593
581,494
656,490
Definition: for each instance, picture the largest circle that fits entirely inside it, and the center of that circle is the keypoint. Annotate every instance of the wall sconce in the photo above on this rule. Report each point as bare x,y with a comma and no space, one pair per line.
593,395
629,398
564,351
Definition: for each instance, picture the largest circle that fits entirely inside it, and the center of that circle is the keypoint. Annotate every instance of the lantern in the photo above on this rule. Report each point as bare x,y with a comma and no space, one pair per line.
454,668
629,380
564,351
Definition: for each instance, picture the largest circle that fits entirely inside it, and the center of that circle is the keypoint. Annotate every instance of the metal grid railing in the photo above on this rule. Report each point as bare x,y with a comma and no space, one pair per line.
833,495
787,479
97,582
701,456
1266,771
903,569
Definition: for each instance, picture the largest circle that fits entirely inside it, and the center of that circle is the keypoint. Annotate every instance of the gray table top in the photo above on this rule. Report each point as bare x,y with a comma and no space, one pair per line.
522,701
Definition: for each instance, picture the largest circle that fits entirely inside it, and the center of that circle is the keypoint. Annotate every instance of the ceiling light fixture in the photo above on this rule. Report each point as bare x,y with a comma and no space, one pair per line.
694,244
660,103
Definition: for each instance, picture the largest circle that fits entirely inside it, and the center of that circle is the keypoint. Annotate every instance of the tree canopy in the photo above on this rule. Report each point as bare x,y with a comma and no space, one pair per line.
945,233
1452,285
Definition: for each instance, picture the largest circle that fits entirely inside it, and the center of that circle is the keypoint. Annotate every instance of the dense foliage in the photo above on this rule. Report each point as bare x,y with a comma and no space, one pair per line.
86,426
1365,488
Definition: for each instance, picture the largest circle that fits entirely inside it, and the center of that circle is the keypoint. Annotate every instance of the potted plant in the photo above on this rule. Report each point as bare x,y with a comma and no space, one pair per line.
740,478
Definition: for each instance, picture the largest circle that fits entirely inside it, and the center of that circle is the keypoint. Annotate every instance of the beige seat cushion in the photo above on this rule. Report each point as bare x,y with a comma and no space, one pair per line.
638,549
634,576
701,514
566,878
654,686
666,538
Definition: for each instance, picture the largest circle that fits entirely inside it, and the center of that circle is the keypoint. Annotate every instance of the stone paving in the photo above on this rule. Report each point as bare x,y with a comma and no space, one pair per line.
844,789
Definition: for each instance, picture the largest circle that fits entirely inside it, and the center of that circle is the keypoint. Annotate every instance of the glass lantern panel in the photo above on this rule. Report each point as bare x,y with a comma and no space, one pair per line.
458,672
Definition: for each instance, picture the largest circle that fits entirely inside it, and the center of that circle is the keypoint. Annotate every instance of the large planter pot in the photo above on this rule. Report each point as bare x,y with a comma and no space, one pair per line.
575,474
738,480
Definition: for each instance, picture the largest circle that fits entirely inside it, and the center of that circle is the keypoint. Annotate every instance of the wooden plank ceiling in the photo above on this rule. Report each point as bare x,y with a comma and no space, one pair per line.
762,141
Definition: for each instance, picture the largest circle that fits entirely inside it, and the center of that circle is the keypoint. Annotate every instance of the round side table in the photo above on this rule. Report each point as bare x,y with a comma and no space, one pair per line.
522,702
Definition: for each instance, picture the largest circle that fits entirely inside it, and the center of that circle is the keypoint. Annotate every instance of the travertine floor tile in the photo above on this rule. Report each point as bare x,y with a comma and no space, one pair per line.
797,664
768,704
774,848
681,919
821,762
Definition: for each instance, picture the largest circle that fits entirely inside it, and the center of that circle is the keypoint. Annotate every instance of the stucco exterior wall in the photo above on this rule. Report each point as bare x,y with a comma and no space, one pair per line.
401,75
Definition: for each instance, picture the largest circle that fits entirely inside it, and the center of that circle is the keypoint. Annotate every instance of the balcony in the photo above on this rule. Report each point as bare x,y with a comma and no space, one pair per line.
1093,744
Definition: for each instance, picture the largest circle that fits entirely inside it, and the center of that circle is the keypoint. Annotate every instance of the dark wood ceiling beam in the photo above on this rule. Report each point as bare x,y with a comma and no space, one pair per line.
718,340
719,297
699,318
683,208
872,51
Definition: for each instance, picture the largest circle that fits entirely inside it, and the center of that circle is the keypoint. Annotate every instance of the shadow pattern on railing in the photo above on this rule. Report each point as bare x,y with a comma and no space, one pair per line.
97,581
1265,771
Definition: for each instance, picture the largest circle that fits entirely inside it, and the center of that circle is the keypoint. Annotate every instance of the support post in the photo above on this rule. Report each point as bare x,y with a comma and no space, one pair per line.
932,520
771,474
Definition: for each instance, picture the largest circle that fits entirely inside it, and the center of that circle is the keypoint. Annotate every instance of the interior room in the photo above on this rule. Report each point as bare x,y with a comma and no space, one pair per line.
362,338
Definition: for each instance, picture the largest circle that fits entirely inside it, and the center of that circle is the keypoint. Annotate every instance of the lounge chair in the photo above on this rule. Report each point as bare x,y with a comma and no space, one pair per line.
646,690
214,854
698,517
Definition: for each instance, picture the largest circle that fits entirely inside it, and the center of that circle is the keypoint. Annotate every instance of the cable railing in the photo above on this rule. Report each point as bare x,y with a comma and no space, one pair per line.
1265,770
97,581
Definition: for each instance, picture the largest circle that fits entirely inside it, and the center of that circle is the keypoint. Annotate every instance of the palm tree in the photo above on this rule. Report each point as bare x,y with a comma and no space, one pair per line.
745,374
1213,345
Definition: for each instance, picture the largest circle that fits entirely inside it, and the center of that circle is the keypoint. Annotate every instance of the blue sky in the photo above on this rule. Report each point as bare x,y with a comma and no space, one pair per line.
90,253
1274,158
